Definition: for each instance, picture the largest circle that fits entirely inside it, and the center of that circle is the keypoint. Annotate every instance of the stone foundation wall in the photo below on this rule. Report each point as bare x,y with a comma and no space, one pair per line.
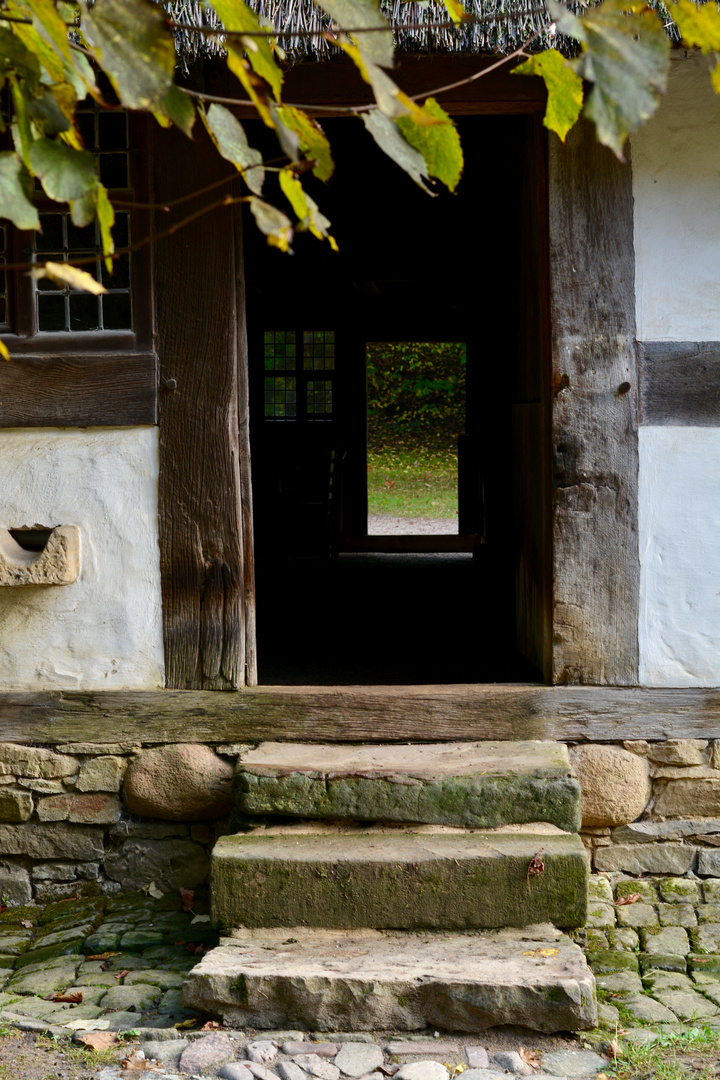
86,818
651,808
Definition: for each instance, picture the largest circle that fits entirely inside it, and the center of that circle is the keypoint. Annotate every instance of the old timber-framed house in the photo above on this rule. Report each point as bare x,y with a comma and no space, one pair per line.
185,566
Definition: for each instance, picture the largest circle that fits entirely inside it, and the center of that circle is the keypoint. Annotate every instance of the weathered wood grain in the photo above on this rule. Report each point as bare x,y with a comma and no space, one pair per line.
679,382
81,390
594,423
246,505
360,714
201,547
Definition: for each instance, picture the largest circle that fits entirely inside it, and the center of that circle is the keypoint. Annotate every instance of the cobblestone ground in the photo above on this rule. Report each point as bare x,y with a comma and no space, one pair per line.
119,964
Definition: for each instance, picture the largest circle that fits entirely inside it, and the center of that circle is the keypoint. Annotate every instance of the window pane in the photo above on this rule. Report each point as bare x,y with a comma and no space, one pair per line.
51,238
112,131
51,313
84,312
117,311
318,350
114,170
279,350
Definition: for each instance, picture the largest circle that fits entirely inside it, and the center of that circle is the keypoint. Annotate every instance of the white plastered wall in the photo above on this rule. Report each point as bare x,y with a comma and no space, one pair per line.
103,632
676,189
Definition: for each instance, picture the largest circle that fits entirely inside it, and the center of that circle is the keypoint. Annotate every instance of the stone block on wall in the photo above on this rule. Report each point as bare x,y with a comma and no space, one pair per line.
668,858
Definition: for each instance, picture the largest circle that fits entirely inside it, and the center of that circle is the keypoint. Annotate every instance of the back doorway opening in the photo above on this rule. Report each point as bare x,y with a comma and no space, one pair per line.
440,287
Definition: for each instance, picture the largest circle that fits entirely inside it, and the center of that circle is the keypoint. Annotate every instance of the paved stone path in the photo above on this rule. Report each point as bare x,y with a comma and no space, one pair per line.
654,945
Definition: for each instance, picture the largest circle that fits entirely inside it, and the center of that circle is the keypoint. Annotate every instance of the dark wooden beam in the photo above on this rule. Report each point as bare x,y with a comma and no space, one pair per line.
360,714
594,414
84,390
201,547
679,382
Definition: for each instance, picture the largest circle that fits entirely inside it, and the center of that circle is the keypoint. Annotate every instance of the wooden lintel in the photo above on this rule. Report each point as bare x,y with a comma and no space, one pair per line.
360,714
679,383
82,390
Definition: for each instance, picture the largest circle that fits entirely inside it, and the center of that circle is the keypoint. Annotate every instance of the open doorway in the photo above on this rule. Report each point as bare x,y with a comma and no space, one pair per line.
416,419
339,601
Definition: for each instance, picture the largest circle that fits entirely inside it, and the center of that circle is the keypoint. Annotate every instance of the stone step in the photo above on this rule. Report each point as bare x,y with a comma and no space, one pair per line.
398,878
477,784
335,980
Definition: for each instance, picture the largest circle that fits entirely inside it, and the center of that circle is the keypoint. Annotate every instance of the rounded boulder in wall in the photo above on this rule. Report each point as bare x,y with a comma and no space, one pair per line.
615,784
179,782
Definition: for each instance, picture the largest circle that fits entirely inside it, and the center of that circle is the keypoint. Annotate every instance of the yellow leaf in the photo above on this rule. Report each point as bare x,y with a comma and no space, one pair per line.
65,274
183,1024
698,24
4,351
715,78
236,15
564,89
456,11
541,953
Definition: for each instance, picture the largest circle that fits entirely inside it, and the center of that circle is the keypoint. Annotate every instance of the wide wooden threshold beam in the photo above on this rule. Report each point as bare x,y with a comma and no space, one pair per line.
360,714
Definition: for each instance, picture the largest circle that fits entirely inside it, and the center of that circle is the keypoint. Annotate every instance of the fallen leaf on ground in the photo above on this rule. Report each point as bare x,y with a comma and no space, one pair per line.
3,907
195,950
185,1024
536,865
27,923
122,974
631,898
98,1040
75,998
544,954
102,956
531,1058
136,1063
612,1050
154,891
212,1025
187,896
200,918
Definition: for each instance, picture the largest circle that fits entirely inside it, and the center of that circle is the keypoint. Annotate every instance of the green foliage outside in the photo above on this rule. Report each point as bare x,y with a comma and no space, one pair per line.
416,410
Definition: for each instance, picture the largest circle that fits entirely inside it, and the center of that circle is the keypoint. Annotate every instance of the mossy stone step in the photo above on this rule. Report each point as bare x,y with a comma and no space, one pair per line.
476,784
405,878
350,980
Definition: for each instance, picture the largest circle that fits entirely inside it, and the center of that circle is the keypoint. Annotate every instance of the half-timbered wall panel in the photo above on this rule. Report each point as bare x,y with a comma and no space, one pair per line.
594,432
676,189
104,630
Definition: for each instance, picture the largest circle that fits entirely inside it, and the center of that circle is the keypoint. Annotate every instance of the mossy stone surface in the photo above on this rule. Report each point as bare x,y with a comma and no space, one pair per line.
478,785
608,960
397,878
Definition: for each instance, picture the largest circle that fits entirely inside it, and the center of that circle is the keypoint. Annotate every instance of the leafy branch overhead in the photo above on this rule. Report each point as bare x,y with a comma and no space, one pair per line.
51,52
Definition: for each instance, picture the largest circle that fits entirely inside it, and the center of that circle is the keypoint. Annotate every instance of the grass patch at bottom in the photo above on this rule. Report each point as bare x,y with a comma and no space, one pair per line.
694,1053
413,482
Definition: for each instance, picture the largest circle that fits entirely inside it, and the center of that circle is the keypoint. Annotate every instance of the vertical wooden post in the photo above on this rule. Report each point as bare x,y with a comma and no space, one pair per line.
594,414
201,540
243,376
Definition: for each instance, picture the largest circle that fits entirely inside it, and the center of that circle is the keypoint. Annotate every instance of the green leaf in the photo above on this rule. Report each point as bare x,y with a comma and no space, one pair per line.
106,220
133,45
83,210
15,186
699,26
14,57
21,128
307,210
438,143
177,108
65,274
376,46
66,174
389,97
289,140
47,114
273,223
236,15
229,136
313,140
388,137
625,55
564,89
